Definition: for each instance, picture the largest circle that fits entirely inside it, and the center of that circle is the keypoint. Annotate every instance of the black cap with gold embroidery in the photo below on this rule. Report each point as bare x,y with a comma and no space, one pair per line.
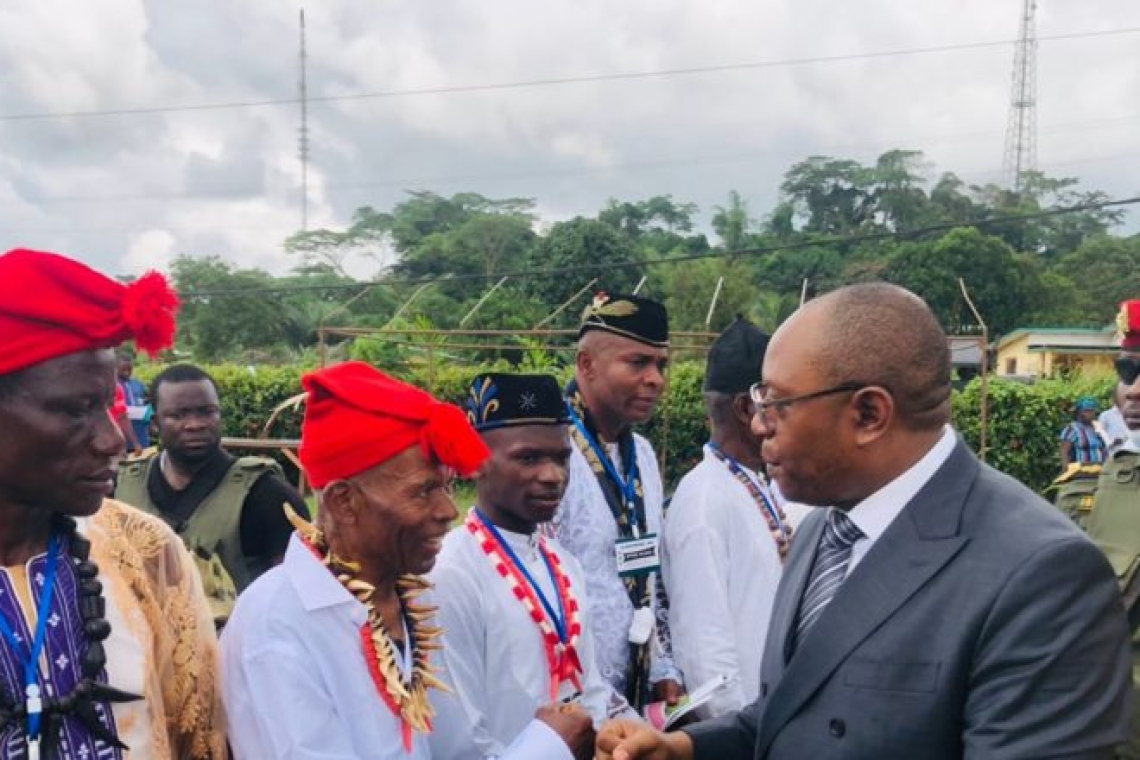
631,317
498,399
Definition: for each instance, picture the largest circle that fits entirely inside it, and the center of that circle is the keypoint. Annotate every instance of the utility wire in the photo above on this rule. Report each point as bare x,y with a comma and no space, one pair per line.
751,251
557,81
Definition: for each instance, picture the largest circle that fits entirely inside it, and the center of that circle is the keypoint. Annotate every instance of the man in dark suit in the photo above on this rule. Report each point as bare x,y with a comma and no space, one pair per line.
933,608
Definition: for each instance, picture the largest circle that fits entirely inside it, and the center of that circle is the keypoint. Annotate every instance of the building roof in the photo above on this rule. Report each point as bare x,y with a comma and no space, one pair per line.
1065,339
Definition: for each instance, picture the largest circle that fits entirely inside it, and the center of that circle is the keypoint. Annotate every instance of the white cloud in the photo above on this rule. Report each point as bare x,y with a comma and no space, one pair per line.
125,191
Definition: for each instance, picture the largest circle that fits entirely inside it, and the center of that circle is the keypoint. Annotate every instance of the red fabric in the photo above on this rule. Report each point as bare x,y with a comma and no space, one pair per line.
119,408
1130,327
51,306
357,417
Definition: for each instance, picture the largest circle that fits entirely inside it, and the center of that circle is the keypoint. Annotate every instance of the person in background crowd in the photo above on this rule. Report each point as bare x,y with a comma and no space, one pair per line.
226,509
138,409
725,535
614,501
1080,441
932,607
106,645
1113,520
1112,424
512,602
121,416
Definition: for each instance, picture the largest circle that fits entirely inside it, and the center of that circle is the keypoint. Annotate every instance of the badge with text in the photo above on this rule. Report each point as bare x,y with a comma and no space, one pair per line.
637,556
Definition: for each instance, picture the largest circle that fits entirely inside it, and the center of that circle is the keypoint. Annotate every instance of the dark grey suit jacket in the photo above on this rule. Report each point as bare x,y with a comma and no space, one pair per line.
981,624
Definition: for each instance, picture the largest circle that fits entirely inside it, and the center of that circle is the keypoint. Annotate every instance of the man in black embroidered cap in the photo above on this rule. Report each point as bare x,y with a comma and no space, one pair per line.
725,536
611,515
511,601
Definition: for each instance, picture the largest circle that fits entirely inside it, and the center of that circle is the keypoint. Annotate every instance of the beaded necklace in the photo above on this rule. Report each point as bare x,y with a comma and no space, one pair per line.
559,637
81,702
407,699
778,527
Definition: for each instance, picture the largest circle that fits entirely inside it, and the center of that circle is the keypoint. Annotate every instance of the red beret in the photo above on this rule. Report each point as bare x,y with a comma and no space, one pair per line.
357,417
51,306
1128,324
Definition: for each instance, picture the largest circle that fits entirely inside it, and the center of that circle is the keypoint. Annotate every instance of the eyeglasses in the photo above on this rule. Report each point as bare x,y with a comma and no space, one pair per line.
759,393
1127,369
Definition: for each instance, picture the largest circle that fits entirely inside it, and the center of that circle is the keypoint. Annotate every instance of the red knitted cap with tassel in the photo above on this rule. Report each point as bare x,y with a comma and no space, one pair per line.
357,417
51,306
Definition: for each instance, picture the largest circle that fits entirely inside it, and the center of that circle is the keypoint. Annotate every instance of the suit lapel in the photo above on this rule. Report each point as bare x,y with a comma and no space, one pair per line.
917,545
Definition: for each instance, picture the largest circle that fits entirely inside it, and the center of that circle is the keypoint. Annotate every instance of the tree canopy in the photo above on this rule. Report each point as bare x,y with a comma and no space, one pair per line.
457,261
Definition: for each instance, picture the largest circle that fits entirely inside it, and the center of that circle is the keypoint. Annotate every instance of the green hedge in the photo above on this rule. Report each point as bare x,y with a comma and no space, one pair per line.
1023,429
1025,421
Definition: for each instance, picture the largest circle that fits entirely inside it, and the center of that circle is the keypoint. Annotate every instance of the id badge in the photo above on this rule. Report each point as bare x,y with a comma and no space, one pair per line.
637,556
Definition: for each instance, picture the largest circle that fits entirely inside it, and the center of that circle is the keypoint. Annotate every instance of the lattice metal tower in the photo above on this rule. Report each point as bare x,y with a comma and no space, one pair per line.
1021,131
303,131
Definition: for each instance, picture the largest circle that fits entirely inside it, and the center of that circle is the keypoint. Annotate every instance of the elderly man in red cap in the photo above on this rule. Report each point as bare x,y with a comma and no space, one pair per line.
327,655
106,643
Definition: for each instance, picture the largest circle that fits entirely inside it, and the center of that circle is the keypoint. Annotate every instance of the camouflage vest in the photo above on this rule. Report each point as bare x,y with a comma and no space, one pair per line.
212,534
1114,523
1075,491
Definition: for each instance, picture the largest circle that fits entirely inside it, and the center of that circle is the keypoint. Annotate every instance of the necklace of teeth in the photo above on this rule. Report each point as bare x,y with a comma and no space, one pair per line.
407,699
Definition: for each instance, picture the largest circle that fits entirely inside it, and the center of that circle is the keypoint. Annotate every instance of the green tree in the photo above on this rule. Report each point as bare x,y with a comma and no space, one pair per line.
997,279
1104,271
591,248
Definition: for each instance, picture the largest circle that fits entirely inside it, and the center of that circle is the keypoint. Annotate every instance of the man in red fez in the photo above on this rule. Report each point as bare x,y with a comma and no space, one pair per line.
106,642
327,654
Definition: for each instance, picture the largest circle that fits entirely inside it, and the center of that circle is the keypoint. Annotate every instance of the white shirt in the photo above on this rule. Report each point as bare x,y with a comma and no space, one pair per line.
586,527
721,568
494,657
1115,429
295,681
875,514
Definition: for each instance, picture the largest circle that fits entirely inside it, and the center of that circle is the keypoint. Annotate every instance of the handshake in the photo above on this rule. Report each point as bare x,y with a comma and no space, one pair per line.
621,739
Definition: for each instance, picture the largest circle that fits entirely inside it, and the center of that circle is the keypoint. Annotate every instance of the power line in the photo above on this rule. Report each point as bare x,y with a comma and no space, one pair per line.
681,161
752,251
557,81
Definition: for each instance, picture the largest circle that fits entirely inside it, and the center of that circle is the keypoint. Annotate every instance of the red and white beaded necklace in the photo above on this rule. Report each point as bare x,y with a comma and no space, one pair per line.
561,650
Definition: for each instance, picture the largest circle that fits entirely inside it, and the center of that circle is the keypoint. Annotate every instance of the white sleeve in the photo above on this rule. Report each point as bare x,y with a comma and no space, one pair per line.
537,741
460,614
696,569
278,708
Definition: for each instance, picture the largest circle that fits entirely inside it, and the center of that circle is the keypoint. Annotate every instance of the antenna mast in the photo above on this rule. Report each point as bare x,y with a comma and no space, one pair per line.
303,132
1021,131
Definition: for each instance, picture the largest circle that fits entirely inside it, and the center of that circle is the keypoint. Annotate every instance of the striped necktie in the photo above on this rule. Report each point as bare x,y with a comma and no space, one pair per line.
831,560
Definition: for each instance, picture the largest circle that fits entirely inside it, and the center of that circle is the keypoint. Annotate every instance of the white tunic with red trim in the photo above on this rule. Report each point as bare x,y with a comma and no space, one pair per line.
494,656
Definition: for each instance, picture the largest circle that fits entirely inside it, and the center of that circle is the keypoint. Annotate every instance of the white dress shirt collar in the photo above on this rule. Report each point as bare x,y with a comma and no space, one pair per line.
315,584
874,514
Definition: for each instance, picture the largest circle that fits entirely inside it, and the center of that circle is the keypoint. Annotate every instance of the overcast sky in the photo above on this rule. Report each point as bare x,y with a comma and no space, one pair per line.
127,192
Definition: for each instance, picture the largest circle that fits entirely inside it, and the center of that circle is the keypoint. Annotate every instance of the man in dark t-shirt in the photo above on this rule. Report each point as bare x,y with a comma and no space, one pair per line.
223,507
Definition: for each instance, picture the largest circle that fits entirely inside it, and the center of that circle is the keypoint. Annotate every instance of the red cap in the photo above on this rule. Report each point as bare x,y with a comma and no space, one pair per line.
51,306
357,418
1128,324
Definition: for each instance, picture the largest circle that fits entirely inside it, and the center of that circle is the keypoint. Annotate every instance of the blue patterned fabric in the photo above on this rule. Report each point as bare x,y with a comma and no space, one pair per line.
61,668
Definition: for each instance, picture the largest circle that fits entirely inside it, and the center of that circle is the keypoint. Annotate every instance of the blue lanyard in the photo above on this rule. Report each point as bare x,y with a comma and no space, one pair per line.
32,691
559,619
627,485
738,470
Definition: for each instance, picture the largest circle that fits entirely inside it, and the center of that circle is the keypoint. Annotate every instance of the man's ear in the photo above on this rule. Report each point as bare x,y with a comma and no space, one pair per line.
584,362
743,408
874,410
342,501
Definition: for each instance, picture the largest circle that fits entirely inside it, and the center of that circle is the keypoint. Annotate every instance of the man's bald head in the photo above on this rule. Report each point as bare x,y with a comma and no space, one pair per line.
881,334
